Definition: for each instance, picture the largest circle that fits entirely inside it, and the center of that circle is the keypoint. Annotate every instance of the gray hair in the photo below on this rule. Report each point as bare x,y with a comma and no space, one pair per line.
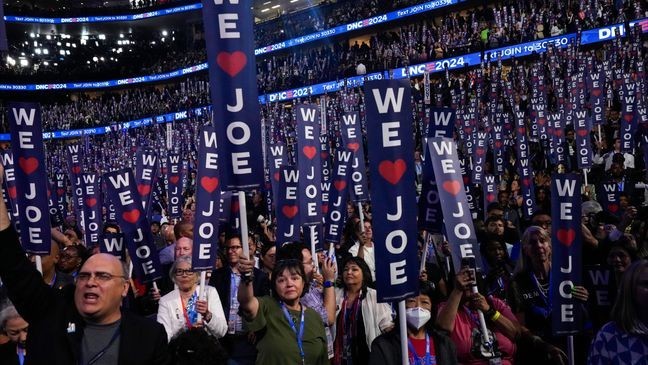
7,313
181,259
524,262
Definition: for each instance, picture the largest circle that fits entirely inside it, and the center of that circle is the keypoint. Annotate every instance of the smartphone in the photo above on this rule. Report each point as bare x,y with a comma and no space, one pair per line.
470,264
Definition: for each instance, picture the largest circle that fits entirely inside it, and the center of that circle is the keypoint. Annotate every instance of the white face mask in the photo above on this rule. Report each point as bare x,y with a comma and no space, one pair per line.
417,317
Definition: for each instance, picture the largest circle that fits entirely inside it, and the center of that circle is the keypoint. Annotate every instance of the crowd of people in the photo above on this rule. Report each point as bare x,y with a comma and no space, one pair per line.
474,30
86,111
283,303
327,15
477,29
44,58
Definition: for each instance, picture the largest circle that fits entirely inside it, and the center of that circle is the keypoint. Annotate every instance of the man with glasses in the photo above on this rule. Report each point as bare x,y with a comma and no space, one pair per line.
238,341
81,323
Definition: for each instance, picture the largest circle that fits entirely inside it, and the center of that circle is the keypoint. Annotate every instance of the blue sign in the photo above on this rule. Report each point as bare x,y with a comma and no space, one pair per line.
566,260
391,159
104,84
234,93
3,30
31,177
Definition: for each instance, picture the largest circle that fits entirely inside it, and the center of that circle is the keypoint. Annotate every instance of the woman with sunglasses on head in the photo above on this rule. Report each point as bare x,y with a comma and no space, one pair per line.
287,331
180,309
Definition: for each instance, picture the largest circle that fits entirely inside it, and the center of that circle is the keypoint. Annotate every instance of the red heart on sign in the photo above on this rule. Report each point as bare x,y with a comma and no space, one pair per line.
628,117
76,169
596,92
526,182
480,151
231,63
60,192
490,198
542,121
392,171
309,151
235,206
12,192
498,144
452,186
28,165
174,179
325,208
521,130
558,132
582,132
209,183
143,189
131,216
91,202
613,208
339,184
289,211
324,155
276,176
566,236
353,146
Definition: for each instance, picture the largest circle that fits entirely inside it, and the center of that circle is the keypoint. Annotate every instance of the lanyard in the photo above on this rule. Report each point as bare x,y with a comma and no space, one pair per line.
100,354
189,310
300,334
20,351
427,359
544,295
474,318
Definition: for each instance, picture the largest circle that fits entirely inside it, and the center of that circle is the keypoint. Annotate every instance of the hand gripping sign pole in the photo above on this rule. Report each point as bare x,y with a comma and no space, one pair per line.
458,223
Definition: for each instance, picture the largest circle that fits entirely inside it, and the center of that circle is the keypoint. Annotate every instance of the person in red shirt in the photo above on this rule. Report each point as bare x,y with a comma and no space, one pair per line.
460,316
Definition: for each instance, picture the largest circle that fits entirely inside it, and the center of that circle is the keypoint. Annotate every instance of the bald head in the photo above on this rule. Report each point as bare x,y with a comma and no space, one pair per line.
183,247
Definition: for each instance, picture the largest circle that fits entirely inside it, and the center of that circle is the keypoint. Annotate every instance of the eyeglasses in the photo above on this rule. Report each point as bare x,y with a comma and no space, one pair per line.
234,248
99,276
181,272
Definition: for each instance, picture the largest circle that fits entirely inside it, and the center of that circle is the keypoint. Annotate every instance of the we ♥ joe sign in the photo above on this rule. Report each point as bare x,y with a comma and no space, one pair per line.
31,177
566,258
234,95
122,192
391,150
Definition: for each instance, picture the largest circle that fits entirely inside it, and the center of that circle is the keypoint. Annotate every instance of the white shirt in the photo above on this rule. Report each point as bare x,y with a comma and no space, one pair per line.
170,313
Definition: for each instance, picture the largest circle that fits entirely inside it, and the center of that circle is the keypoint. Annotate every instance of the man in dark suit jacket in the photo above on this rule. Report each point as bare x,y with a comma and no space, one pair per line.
58,320
238,342
15,328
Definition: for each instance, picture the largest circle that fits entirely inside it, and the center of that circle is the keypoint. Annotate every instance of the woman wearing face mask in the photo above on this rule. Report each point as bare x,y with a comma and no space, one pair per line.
426,344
